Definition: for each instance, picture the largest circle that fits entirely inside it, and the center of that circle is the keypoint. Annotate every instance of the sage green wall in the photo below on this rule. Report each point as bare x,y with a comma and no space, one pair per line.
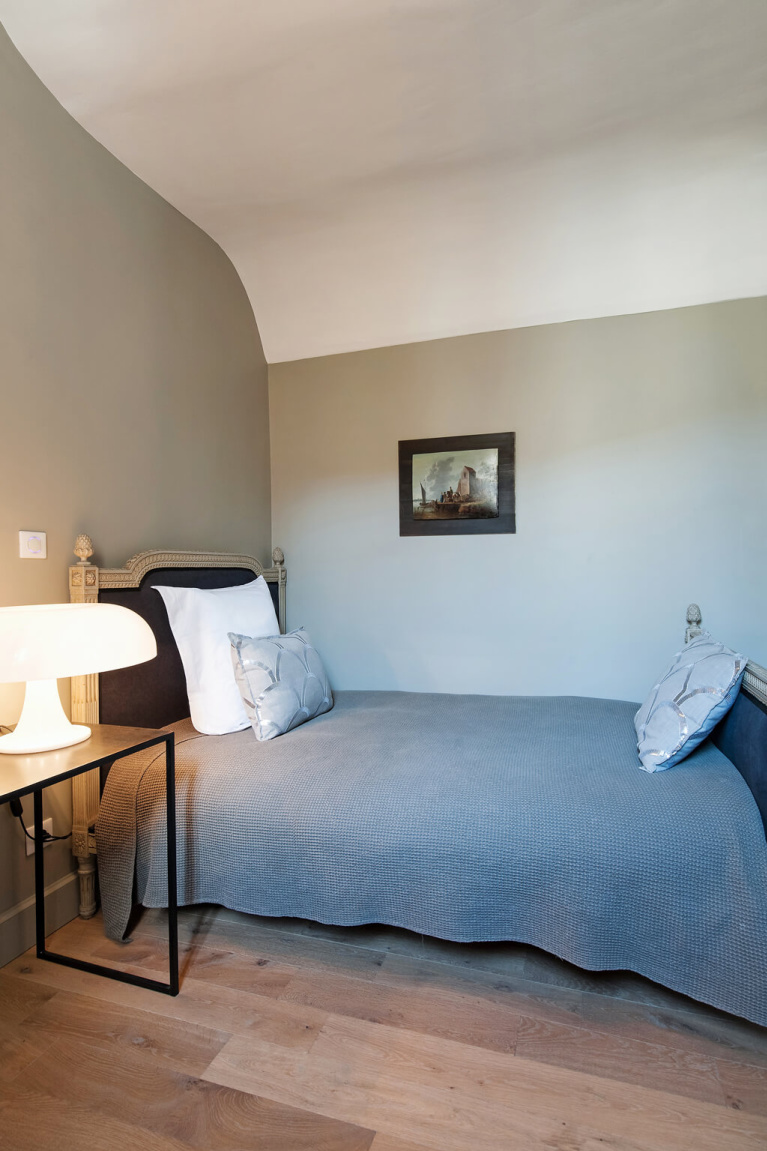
641,485
134,391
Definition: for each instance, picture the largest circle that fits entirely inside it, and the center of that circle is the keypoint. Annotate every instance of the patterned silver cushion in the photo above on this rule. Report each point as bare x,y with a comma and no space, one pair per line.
687,703
281,680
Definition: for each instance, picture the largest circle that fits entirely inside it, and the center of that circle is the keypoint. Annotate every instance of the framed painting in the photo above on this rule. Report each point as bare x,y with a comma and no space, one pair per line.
457,485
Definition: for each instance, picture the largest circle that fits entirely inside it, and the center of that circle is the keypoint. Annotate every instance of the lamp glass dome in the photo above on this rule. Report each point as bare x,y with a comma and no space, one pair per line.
51,641
41,643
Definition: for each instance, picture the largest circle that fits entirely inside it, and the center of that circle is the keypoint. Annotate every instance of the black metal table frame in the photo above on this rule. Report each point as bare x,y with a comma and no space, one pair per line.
172,986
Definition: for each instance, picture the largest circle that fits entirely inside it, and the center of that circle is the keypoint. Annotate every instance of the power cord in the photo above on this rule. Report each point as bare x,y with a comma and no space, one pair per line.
18,811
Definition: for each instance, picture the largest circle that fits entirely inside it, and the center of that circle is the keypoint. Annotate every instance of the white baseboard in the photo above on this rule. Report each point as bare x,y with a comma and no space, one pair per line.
17,924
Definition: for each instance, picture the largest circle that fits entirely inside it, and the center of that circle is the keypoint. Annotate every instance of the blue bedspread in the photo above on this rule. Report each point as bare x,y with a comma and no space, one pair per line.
466,818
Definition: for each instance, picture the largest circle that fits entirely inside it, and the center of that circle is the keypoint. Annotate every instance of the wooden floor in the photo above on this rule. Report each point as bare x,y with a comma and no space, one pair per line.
289,1036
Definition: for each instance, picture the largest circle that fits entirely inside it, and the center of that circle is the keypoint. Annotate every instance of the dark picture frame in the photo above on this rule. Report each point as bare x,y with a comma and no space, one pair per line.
450,514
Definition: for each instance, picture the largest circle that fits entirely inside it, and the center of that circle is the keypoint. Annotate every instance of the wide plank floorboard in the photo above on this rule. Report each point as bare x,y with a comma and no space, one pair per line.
180,1045
447,1096
19,1046
201,1002
29,1121
706,1031
467,1018
655,1065
184,1108
291,1036
745,1086
18,997
251,941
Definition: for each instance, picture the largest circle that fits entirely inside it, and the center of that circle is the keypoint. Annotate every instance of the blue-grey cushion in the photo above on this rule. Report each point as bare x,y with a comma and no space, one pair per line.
687,703
281,680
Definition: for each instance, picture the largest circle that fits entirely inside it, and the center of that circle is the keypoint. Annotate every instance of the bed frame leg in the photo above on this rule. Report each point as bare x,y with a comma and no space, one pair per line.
86,874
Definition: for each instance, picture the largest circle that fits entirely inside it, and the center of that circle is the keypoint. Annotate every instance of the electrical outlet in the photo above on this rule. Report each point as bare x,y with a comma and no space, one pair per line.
47,826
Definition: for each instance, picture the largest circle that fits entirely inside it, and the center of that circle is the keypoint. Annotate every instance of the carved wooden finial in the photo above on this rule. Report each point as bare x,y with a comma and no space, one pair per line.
278,555
83,548
694,619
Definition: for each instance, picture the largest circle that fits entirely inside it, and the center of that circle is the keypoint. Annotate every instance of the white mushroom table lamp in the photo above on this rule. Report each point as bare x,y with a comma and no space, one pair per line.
45,642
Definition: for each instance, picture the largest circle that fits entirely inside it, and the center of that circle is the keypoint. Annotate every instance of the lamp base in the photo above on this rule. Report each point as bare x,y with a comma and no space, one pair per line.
43,726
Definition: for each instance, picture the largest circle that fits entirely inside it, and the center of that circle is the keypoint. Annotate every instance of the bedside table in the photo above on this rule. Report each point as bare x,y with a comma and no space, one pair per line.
22,775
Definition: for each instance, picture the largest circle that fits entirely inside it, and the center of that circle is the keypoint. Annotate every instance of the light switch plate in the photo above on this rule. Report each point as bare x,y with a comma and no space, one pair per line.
33,545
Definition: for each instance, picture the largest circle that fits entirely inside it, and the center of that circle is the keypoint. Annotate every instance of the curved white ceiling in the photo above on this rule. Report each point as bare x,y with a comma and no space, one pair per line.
382,171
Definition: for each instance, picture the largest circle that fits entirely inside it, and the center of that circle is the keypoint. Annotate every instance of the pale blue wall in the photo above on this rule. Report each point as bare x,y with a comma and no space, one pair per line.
641,485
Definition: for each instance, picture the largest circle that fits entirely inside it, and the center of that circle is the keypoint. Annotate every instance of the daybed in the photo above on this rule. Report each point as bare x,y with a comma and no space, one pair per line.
463,817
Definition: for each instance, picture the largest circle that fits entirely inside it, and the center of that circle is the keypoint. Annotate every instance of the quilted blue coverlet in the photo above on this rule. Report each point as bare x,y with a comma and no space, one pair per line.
466,818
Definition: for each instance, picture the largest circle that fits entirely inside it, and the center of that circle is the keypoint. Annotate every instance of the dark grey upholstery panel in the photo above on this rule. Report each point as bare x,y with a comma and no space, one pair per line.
742,736
154,694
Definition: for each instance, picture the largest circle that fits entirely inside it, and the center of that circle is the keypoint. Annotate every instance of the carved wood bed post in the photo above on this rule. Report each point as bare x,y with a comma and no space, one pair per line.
84,588
278,559
754,677
694,620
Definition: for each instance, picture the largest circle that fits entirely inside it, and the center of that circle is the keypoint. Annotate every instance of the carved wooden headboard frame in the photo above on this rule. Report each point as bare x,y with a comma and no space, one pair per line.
754,677
86,580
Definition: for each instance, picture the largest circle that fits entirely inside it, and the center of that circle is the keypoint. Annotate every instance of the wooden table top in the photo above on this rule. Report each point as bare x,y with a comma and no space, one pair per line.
22,774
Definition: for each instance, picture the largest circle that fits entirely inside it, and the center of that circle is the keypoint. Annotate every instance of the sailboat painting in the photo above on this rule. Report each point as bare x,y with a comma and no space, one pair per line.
457,485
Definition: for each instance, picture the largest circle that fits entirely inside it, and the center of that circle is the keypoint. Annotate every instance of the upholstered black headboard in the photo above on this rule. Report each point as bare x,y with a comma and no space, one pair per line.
742,736
154,694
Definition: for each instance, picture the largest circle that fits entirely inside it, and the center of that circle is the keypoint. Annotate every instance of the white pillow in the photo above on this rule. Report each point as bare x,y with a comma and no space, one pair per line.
201,620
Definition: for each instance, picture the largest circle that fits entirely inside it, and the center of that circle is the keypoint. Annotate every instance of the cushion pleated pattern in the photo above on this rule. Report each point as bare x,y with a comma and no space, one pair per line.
282,681
686,704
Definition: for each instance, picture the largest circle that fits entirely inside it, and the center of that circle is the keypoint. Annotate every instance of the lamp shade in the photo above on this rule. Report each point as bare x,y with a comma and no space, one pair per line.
52,641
